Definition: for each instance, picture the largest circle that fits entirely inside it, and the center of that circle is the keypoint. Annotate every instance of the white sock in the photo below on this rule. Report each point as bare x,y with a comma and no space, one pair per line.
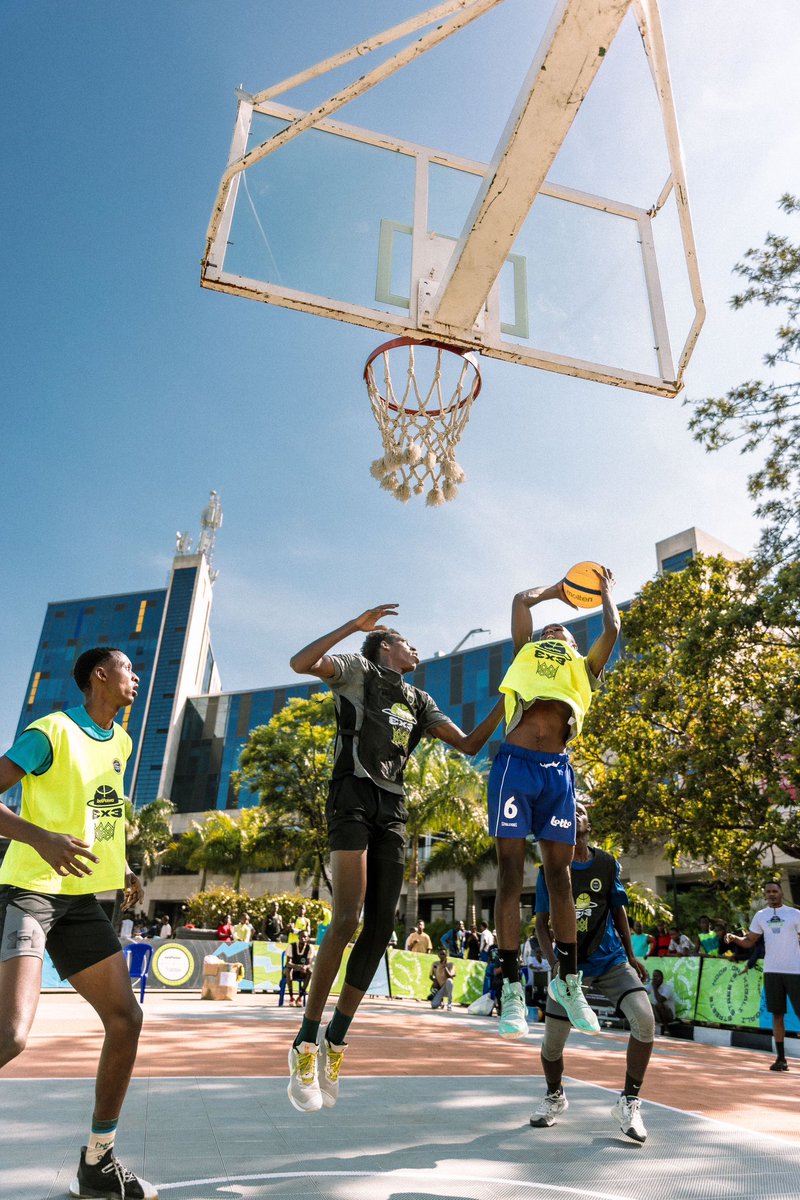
101,1139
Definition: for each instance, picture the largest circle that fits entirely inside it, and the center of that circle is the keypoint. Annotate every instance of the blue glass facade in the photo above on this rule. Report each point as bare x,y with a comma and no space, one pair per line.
215,728
162,694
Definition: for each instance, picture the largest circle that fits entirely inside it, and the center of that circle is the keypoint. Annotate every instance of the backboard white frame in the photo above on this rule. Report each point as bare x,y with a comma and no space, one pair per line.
443,301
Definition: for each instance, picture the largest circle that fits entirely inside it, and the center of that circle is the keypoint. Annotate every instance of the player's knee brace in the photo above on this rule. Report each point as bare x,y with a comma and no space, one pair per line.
555,1037
636,1007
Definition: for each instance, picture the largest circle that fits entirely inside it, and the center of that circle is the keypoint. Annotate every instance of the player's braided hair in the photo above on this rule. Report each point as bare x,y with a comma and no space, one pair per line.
85,663
372,642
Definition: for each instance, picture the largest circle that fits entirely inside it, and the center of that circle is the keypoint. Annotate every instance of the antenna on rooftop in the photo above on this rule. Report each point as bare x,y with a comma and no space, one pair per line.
210,522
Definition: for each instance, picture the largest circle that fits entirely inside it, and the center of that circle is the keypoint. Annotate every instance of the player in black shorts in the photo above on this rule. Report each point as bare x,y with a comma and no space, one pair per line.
381,718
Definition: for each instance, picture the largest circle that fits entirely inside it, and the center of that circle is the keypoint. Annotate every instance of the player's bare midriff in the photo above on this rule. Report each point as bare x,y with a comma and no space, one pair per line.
544,726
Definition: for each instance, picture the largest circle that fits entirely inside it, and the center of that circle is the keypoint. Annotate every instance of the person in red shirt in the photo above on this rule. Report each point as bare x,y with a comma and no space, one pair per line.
225,930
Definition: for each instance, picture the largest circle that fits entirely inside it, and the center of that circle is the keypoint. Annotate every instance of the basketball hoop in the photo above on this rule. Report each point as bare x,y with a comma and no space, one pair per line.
421,426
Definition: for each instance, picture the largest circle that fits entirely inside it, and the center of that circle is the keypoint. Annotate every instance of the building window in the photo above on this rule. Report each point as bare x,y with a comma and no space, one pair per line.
34,688
676,562
119,608
140,618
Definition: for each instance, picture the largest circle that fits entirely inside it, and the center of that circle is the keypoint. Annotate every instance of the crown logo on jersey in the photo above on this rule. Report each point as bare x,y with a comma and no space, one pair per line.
546,669
104,831
106,802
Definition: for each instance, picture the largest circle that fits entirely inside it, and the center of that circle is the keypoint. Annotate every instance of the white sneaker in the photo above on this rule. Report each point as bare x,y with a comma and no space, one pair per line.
329,1071
627,1111
513,1011
552,1106
303,1088
569,994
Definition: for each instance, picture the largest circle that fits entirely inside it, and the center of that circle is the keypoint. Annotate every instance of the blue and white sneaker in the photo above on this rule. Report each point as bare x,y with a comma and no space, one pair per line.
513,1012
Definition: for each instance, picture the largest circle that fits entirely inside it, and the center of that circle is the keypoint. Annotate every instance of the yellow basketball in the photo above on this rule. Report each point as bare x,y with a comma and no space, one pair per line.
582,584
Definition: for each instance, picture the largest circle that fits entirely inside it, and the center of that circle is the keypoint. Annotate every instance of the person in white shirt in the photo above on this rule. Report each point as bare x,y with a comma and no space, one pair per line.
126,927
779,925
662,998
486,942
679,942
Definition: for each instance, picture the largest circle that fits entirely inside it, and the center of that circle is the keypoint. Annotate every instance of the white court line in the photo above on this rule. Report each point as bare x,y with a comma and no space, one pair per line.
407,1173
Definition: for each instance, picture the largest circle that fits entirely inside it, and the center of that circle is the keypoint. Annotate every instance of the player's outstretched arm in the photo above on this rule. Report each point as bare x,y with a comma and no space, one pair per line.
470,743
66,855
313,659
600,652
521,619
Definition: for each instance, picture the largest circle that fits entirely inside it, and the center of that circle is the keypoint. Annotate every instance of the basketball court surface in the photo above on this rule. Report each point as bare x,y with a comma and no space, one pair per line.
433,1104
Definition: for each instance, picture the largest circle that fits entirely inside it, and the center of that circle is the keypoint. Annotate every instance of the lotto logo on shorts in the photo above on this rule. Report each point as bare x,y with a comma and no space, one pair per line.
560,823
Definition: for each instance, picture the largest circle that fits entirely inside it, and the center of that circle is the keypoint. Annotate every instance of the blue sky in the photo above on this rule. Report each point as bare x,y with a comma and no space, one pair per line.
128,392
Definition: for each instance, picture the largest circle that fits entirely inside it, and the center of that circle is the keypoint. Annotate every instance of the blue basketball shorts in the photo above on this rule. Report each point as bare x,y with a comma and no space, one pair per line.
531,793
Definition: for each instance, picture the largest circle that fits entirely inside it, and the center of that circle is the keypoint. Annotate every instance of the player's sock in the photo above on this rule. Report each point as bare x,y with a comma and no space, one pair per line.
779,1051
336,1032
509,961
567,959
632,1086
308,1032
100,1140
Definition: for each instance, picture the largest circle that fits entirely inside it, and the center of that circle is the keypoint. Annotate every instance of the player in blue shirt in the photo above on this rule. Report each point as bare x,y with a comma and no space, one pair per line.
606,959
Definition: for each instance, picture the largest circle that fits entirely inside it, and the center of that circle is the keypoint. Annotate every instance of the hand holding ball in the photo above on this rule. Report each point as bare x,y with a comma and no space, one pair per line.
581,584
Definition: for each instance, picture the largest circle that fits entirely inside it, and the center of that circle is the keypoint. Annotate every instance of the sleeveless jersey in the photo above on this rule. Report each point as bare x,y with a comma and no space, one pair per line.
80,794
592,886
549,670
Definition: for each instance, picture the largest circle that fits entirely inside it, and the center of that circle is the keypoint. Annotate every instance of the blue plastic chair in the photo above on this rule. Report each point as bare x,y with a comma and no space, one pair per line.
138,956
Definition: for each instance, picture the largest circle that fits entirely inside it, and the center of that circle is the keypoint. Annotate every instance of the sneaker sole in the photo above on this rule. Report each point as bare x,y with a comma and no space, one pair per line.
513,1035
295,1103
629,1133
542,1122
150,1192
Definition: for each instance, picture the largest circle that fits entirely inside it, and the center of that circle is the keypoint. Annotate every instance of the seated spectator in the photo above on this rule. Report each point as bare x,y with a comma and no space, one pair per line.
679,943
418,941
660,940
442,975
298,967
225,930
165,930
453,940
706,941
662,998
640,940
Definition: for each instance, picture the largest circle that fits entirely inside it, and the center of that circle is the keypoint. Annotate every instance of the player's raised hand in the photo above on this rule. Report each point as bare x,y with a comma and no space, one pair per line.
65,854
375,616
607,581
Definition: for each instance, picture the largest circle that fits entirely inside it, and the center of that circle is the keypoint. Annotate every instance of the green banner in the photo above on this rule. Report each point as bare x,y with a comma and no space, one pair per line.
728,994
683,974
410,976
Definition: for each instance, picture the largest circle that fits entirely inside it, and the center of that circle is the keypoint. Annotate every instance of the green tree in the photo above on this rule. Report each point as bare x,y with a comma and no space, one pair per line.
441,789
693,742
287,763
148,835
764,415
467,850
235,844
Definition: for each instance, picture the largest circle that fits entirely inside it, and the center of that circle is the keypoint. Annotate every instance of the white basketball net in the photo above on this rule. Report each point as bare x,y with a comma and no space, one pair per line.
420,428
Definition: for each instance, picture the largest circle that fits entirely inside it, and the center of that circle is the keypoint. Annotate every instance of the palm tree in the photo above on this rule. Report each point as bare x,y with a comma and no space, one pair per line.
234,846
441,790
467,851
148,835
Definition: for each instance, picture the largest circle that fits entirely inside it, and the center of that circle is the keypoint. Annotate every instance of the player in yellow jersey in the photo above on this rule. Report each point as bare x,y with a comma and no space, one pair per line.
548,689
67,844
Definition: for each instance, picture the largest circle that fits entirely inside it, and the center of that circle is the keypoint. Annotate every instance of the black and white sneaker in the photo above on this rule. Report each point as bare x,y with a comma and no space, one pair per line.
780,1064
109,1180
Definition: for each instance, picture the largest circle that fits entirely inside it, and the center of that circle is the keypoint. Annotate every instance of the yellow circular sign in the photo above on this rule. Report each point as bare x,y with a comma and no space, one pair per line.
172,964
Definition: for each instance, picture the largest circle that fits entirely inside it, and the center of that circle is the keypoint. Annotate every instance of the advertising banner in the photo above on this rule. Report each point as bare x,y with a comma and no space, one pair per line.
410,976
175,964
683,974
729,995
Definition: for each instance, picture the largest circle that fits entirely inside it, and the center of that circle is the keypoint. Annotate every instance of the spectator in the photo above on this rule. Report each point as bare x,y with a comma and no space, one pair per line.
662,998
166,929
756,954
272,929
243,930
493,977
779,925
453,940
706,941
442,975
486,942
721,932
679,943
472,944
126,927
225,930
298,967
418,941
660,940
300,924
639,940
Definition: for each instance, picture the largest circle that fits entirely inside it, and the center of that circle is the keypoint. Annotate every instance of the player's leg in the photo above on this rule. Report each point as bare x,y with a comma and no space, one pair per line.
106,985
776,995
348,886
624,989
24,923
556,1031
566,983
